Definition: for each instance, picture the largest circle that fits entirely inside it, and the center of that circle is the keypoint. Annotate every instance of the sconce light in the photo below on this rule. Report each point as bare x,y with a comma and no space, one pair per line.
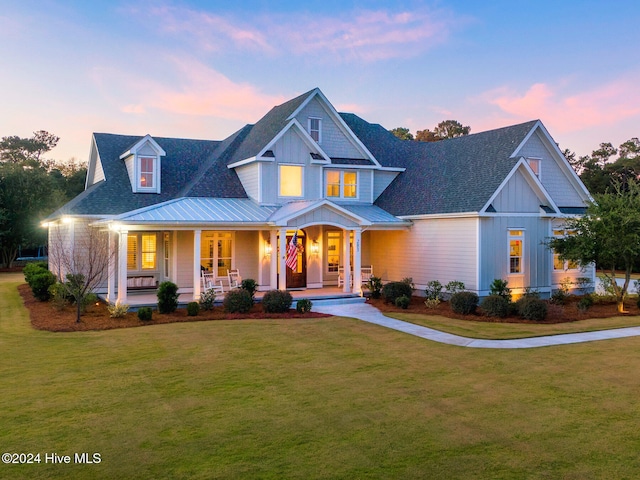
315,248
267,249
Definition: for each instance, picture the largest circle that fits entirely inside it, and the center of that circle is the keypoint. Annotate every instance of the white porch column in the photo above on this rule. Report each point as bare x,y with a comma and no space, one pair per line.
122,267
357,262
346,255
197,241
273,261
282,258
111,268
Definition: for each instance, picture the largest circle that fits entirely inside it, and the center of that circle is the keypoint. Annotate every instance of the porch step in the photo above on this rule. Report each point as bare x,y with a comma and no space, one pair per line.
323,302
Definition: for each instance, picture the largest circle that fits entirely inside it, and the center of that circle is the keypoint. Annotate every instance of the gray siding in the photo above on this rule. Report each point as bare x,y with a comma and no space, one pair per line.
364,186
250,177
333,140
517,196
552,176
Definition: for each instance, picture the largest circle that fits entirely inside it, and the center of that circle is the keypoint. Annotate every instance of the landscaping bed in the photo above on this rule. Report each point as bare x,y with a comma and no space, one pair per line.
44,316
569,312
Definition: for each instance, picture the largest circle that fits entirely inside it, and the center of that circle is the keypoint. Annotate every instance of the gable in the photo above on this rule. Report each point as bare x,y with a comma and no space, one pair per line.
95,172
553,173
517,196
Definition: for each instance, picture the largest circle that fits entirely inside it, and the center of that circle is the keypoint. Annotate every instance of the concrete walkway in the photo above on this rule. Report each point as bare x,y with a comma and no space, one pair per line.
367,313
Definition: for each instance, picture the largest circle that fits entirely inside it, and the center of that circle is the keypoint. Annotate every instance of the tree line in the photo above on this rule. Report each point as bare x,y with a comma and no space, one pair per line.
31,187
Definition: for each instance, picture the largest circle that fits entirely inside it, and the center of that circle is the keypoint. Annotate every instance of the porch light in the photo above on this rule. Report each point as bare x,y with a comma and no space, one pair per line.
315,248
66,219
267,249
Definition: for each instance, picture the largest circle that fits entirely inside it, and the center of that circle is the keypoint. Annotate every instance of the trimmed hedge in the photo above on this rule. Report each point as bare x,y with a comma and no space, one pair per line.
464,303
532,308
276,301
237,301
40,284
403,302
393,290
145,314
193,308
303,305
496,306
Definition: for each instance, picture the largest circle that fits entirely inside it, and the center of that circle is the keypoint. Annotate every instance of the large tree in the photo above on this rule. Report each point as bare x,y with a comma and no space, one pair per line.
607,235
445,129
14,149
402,133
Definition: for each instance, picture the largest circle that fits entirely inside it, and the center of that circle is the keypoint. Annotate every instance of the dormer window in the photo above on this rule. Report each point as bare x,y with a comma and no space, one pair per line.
315,129
147,173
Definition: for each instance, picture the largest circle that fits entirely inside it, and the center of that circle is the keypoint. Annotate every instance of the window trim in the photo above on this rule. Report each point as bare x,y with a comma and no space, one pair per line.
280,195
138,252
565,263
309,130
538,162
512,237
215,236
154,174
341,185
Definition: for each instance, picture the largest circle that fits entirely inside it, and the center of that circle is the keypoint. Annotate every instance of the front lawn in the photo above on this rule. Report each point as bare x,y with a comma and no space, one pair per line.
310,398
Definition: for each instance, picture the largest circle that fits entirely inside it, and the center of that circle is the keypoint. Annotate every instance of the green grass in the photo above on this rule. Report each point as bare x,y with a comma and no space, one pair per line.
505,331
304,399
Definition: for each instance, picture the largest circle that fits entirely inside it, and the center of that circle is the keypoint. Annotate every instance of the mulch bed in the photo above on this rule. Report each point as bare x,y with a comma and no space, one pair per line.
555,313
44,316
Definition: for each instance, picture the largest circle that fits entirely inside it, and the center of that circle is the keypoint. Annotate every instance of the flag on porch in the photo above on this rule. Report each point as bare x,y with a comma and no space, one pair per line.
292,253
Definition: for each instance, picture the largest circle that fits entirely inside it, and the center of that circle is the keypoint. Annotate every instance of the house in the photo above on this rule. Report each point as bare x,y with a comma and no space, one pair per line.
471,209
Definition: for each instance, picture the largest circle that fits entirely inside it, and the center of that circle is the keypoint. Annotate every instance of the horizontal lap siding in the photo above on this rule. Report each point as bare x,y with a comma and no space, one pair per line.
184,275
249,175
247,253
439,249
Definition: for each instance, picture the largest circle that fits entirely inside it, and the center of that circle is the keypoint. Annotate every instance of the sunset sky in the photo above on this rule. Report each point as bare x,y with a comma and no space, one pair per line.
197,69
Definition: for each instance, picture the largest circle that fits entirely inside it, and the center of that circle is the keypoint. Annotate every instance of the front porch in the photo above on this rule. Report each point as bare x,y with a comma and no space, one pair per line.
149,298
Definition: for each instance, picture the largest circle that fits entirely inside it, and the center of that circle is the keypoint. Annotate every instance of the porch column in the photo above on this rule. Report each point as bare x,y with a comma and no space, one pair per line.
197,241
357,262
122,267
273,260
346,255
111,268
282,258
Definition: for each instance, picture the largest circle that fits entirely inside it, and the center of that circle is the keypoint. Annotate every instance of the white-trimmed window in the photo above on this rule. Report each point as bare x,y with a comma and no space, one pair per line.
290,180
315,128
142,251
535,164
516,252
558,263
216,252
342,184
147,176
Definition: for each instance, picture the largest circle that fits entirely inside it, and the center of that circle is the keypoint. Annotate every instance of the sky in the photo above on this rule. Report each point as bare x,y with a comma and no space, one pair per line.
204,69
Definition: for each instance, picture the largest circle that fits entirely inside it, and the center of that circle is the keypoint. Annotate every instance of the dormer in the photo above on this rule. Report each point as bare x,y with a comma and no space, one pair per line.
143,162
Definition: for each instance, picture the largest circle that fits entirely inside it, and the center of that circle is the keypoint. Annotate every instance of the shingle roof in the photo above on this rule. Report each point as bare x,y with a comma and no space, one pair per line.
449,176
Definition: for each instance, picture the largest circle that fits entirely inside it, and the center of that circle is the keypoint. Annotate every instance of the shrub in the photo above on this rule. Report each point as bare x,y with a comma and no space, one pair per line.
207,299
464,302
276,301
409,281
237,301
59,296
193,308
32,269
532,308
434,290
393,290
167,297
558,297
453,287
499,287
403,302
431,302
496,306
118,310
586,303
40,283
250,285
145,314
304,305
375,286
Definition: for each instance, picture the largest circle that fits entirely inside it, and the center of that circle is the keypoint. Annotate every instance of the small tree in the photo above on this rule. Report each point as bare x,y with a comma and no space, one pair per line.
608,235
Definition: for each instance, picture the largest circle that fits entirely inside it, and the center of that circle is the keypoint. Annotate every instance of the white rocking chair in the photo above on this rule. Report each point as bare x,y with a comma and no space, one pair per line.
235,280
209,282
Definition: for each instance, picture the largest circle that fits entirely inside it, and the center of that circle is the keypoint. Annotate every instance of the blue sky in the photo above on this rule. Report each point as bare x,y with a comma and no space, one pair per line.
199,69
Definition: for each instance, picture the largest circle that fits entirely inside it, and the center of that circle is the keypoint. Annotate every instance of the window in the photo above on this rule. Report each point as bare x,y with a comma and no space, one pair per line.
291,180
141,251
167,258
558,263
535,163
333,251
516,244
216,249
342,184
315,129
147,172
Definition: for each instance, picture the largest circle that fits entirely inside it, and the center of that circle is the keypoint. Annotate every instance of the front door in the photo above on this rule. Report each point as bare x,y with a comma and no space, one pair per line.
297,278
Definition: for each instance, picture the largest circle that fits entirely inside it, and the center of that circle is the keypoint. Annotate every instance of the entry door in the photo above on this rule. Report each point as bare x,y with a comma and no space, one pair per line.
298,278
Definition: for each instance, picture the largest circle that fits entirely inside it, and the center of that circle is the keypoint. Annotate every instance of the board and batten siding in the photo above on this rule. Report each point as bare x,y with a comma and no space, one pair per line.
249,176
433,249
552,177
364,189
494,234
334,142
517,196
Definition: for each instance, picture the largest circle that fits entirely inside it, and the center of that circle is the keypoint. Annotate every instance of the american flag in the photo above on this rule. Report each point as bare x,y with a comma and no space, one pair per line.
292,253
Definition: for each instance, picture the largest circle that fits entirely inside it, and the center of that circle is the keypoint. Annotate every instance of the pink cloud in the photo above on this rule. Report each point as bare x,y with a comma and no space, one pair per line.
569,112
